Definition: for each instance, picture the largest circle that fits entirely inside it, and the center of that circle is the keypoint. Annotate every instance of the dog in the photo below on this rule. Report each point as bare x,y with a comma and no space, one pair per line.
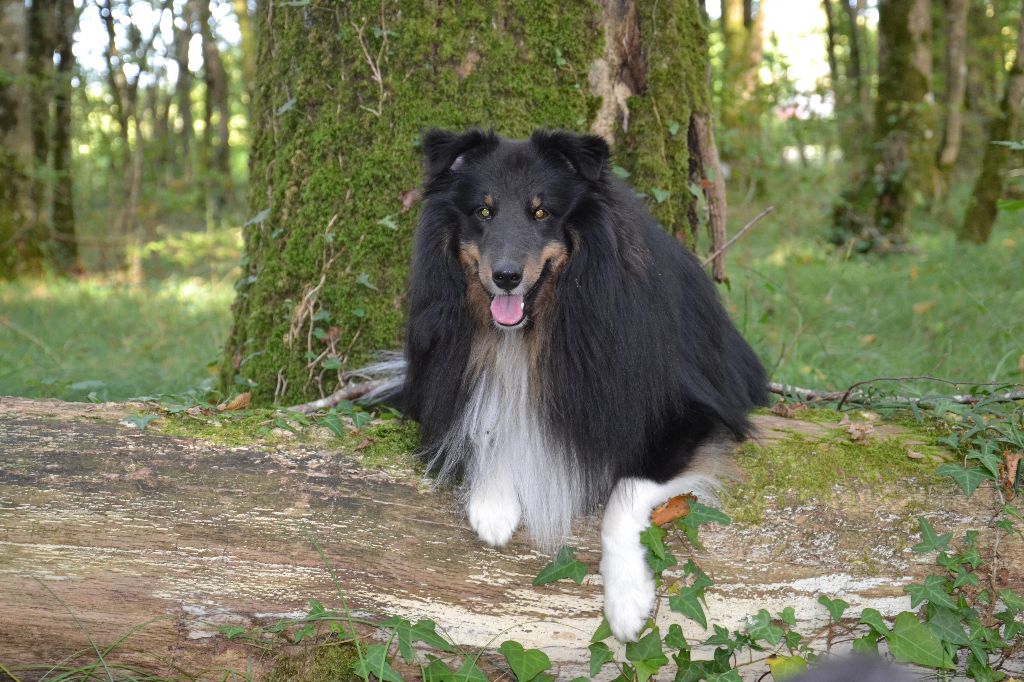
563,352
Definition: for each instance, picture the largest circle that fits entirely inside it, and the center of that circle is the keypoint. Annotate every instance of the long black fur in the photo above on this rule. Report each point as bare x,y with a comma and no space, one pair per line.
644,365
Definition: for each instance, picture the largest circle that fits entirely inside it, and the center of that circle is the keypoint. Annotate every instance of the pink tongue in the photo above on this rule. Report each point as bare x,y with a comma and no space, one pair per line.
507,310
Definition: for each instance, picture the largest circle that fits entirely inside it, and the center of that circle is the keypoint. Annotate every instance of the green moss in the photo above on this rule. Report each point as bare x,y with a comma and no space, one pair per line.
389,444
803,469
333,148
326,663
254,427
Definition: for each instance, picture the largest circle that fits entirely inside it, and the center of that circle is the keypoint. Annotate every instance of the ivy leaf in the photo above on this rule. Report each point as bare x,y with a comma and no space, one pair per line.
565,565
728,676
469,672
1012,600
525,663
987,457
785,667
436,671
687,602
364,280
968,478
760,627
375,662
600,654
646,655
788,616
945,624
653,538
603,631
835,607
866,645
930,540
675,638
873,619
701,514
620,172
660,195
720,638
933,591
912,642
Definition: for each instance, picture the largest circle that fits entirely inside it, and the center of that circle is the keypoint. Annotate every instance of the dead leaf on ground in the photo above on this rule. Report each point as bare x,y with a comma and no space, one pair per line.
786,410
239,402
365,443
1011,460
859,431
409,197
676,508
923,307
914,454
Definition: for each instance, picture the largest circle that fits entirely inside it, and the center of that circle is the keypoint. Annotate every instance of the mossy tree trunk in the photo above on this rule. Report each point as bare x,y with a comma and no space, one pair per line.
901,163
956,85
342,93
1005,126
17,250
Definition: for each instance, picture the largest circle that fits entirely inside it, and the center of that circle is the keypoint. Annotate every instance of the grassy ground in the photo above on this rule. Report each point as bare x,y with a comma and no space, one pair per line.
818,318
82,339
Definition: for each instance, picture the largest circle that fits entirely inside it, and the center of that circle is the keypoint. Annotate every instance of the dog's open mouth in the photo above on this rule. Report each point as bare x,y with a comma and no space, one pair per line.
508,310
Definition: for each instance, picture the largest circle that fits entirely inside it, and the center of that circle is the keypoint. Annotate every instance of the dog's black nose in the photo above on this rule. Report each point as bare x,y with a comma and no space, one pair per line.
507,277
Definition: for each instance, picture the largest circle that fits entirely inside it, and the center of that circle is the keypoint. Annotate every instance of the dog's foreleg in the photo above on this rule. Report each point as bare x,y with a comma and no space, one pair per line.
628,582
493,506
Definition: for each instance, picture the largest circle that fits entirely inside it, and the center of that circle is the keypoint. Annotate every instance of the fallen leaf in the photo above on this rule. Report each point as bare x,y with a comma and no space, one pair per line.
1003,577
676,508
409,197
867,339
923,307
239,402
468,64
1011,461
859,431
786,410
914,454
913,273
365,443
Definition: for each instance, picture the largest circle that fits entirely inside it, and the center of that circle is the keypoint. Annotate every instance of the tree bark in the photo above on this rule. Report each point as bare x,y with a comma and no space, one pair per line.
216,110
17,250
248,46
983,206
63,250
902,161
328,242
183,88
956,84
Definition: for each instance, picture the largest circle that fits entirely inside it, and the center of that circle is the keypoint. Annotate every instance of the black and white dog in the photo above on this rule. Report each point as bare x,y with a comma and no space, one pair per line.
563,352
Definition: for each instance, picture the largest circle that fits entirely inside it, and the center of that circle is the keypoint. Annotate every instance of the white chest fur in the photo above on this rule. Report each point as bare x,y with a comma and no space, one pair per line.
516,471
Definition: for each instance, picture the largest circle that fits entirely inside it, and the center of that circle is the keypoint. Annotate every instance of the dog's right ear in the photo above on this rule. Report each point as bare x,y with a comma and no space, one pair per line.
444,150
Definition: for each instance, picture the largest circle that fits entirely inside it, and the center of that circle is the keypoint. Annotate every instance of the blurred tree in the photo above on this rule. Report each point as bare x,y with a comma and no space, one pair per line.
63,249
343,91
216,155
1005,126
955,16
183,86
741,105
850,90
901,163
18,250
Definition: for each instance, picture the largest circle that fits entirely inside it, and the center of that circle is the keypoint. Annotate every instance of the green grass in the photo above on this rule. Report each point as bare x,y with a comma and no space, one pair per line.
823,319
70,339
818,318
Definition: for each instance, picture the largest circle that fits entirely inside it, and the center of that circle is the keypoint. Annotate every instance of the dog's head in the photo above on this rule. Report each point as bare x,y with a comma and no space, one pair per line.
511,202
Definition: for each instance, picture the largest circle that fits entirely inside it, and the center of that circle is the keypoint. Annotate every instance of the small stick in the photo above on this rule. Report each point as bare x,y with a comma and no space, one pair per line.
350,392
736,236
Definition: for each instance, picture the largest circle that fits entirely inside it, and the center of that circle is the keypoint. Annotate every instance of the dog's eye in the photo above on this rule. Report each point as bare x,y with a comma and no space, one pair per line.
540,214
484,212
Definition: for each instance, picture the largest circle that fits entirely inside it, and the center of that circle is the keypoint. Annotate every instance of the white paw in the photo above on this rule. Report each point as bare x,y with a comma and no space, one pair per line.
627,606
494,516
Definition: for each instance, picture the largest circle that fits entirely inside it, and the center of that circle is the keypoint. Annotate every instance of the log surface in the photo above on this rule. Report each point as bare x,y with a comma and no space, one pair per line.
130,527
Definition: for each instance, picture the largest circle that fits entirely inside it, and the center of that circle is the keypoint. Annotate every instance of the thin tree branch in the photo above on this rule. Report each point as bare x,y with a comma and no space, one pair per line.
736,236
349,392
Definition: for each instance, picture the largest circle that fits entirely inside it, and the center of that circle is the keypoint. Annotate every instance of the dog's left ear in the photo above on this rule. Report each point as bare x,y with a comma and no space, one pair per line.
588,154
444,150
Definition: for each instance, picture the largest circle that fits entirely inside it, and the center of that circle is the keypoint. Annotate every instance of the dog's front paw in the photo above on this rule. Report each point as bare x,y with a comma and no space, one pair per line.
494,516
627,605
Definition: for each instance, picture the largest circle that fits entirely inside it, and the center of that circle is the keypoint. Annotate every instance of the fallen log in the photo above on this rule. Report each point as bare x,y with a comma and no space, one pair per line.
104,528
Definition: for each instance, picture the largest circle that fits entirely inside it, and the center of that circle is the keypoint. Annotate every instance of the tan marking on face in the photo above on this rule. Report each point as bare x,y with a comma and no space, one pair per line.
535,203
469,256
488,200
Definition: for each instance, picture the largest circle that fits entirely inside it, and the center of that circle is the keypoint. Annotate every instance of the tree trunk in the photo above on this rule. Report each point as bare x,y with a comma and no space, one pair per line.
902,161
248,46
63,250
183,89
41,15
17,251
983,206
334,159
956,84
216,112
